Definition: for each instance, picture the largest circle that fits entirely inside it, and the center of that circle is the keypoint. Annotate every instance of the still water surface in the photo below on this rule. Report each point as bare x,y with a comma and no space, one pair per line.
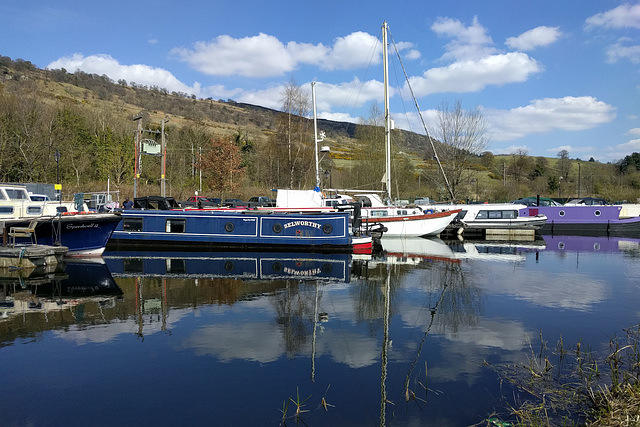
232,339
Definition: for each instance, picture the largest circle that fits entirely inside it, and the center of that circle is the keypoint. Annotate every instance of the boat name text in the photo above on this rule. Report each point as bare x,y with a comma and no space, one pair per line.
302,224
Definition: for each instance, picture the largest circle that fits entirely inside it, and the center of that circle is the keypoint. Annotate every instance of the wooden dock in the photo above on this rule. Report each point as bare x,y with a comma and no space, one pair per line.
31,256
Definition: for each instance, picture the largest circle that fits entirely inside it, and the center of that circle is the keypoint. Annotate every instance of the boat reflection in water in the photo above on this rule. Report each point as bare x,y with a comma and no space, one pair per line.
240,265
72,284
602,244
414,250
501,250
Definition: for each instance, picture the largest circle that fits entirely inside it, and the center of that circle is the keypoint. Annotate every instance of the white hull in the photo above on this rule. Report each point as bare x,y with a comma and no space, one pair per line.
520,223
413,225
419,248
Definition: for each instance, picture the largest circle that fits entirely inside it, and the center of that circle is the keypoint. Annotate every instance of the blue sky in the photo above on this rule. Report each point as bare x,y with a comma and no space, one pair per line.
547,75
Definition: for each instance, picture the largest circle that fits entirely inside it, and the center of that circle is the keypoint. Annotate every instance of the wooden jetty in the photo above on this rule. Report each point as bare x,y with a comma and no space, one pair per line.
31,256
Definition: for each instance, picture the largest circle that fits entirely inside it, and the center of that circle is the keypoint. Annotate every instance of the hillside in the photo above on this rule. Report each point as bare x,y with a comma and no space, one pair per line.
89,119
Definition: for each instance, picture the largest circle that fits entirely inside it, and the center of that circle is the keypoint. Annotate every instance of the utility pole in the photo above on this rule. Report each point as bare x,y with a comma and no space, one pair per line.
578,179
136,172
163,149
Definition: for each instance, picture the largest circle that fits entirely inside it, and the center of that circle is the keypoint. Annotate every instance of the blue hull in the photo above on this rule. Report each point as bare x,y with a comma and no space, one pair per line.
241,265
82,234
221,230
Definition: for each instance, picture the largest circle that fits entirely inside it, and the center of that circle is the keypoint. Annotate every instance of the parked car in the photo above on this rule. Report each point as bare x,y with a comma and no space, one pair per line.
201,202
261,201
234,203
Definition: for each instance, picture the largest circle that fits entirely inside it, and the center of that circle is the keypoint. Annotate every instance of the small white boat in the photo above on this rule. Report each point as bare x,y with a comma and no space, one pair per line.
405,221
493,216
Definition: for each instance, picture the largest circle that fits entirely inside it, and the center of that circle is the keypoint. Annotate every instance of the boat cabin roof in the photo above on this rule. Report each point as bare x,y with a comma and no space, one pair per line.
155,203
14,192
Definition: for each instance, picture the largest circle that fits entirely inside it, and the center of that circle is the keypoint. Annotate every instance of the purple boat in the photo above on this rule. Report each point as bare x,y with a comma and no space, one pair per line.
586,220
602,244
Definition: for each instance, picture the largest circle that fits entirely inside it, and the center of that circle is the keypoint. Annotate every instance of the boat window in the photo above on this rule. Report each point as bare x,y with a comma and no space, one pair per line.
175,225
461,214
509,214
133,265
495,214
379,213
6,209
17,194
61,209
132,224
34,210
176,266
597,213
399,212
482,215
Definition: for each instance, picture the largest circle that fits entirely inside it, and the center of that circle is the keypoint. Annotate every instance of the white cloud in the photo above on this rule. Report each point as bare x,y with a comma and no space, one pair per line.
623,16
469,43
258,56
265,56
619,151
544,115
137,73
634,131
474,75
354,93
353,51
618,51
475,63
529,40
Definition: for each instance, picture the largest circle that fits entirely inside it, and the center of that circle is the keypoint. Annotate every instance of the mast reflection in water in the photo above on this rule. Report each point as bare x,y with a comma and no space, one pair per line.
236,338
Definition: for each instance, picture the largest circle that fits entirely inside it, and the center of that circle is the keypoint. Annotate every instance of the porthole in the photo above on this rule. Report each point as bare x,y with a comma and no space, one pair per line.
277,267
597,213
229,227
596,246
228,266
327,268
561,213
561,245
327,228
277,228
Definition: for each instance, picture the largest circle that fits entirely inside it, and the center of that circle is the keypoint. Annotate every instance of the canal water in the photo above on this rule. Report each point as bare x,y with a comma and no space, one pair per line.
415,335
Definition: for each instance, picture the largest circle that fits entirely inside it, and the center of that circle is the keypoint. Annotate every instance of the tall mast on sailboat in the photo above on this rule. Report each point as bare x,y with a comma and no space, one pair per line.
387,116
315,131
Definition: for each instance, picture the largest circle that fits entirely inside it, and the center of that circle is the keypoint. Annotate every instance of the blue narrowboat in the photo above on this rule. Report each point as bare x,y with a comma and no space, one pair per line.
240,265
223,230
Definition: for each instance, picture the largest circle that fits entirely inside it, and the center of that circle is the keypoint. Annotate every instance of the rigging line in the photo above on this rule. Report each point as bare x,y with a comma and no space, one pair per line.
358,88
404,107
424,338
415,101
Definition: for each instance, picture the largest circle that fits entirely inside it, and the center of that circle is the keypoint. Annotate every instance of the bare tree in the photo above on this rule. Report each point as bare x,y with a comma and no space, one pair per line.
463,134
368,170
521,164
564,164
296,131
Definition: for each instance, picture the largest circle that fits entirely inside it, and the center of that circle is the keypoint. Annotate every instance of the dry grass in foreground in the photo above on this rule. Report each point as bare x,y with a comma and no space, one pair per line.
573,387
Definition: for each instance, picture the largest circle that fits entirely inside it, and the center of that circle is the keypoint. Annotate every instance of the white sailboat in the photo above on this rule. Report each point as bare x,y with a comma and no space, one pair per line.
399,221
